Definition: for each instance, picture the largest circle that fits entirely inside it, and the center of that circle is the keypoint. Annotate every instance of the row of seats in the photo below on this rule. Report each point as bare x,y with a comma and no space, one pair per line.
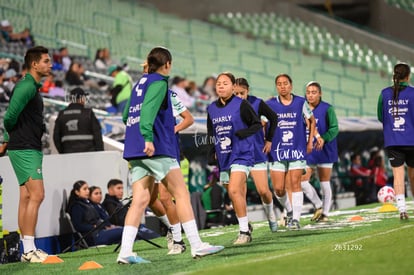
407,5
308,37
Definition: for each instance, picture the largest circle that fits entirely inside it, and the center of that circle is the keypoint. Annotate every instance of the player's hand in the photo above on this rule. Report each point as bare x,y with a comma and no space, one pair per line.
149,148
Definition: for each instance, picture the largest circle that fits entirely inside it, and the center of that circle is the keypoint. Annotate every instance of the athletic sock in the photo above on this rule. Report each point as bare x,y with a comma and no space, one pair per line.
191,231
270,213
327,196
243,224
311,194
165,221
284,200
176,232
297,203
401,203
128,237
28,243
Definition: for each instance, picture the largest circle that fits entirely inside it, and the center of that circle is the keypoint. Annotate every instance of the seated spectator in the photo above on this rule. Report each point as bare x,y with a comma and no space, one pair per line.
95,197
57,91
112,202
5,93
9,36
61,60
76,128
209,88
48,83
361,180
86,218
75,76
102,59
10,79
179,85
121,87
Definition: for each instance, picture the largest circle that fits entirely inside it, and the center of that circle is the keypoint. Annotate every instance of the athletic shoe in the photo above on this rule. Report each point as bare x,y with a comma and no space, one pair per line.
131,259
250,228
243,238
170,240
323,218
288,218
273,225
32,257
294,225
177,248
206,249
41,254
317,214
403,216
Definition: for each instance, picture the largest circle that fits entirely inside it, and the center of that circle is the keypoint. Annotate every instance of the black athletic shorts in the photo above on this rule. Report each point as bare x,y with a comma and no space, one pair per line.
400,154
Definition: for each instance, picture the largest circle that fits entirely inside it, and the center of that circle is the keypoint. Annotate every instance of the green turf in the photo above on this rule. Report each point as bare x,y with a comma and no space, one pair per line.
379,244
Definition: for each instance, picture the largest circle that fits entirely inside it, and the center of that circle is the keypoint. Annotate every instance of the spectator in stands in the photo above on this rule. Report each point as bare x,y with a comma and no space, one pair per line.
179,85
361,180
48,83
10,79
102,59
121,87
9,36
396,112
209,88
57,91
5,93
379,173
86,218
75,76
62,60
112,202
76,128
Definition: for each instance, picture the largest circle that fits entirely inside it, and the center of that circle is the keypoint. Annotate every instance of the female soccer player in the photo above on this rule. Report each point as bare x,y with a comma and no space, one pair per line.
232,124
326,152
289,145
262,147
148,139
396,112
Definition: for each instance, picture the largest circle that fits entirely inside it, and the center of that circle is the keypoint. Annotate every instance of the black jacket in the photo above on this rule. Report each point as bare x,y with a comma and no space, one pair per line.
115,209
77,130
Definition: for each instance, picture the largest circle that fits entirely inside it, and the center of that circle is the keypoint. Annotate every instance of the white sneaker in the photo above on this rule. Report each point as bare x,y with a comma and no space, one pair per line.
33,256
243,238
177,248
131,259
206,249
170,240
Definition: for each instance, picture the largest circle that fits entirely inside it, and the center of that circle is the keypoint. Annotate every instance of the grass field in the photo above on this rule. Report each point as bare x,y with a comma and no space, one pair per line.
355,241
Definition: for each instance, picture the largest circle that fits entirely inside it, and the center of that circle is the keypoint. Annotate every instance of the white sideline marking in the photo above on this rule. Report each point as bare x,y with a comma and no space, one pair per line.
380,233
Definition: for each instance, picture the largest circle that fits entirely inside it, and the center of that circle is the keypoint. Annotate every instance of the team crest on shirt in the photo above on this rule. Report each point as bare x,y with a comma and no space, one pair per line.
39,171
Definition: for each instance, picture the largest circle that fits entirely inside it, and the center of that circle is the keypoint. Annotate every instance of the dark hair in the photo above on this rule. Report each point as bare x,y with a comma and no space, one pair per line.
316,84
34,55
283,75
72,197
157,57
401,72
229,75
113,182
93,188
242,82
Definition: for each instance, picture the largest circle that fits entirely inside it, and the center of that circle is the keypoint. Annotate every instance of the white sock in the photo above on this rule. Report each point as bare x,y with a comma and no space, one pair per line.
28,244
270,214
165,221
128,237
401,203
243,224
176,232
297,203
284,200
327,196
311,194
191,231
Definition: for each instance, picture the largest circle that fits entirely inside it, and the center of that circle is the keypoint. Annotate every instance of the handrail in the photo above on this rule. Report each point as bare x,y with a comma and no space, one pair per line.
118,20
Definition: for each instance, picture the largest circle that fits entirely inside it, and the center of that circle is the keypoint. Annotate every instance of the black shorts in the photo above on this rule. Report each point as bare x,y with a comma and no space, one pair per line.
400,154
